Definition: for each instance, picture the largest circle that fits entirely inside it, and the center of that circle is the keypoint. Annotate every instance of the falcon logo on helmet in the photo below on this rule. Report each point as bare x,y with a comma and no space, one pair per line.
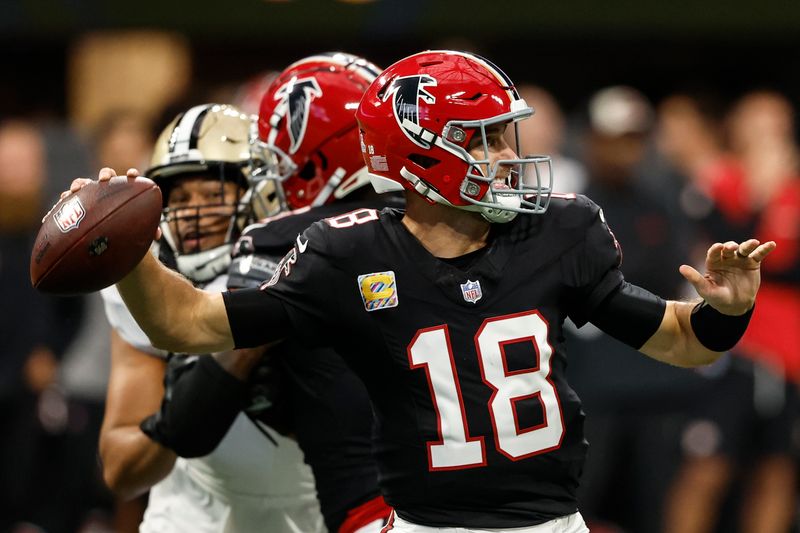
294,101
406,93
315,157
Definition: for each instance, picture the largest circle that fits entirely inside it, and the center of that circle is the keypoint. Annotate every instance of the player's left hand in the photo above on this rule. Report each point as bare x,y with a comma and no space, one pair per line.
733,275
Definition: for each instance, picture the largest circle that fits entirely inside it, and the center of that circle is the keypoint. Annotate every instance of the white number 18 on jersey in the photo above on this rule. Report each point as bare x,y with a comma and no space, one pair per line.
430,349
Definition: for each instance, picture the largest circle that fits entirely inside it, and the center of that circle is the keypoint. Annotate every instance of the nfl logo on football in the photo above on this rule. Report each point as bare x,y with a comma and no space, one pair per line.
69,215
471,291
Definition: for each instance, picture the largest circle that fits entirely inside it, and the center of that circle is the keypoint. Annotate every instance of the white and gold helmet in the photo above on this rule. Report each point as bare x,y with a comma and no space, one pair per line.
211,142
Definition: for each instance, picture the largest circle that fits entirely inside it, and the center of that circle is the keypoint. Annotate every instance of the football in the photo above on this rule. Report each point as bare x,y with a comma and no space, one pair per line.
93,238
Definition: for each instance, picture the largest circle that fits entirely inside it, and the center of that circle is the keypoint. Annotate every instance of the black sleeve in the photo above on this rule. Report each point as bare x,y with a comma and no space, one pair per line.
309,284
591,269
630,314
256,317
201,401
300,297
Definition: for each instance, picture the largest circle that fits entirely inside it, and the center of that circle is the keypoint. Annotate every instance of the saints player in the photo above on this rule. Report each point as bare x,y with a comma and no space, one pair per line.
255,479
451,311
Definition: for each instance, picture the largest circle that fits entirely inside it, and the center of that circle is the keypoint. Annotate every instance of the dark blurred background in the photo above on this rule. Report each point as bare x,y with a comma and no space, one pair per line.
571,47
677,117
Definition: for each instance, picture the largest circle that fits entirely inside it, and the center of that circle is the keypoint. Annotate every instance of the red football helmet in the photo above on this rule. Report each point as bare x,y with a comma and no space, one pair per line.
307,128
417,120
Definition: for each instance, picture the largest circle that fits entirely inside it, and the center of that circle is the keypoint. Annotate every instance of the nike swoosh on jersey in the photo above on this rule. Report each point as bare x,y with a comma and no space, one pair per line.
301,246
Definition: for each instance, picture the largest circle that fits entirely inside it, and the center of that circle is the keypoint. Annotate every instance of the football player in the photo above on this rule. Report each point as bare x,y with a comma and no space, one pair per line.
308,132
451,311
255,479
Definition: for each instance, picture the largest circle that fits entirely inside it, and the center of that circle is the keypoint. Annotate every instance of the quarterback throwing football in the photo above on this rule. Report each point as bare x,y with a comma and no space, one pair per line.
451,311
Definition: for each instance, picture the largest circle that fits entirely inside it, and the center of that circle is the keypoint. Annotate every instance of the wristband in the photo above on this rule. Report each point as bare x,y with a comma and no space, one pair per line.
716,331
201,401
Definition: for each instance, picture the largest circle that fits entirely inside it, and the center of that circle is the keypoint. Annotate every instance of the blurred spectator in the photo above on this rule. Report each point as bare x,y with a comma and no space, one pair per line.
70,407
544,134
144,70
123,137
690,136
22,176
633,408
762,132
34,329
739,472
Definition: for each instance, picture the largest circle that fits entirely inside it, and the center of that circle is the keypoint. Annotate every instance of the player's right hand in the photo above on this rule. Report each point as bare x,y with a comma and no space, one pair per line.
105,174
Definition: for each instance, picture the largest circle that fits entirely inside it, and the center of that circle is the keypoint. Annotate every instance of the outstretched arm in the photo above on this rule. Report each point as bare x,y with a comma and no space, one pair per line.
174,314
692,336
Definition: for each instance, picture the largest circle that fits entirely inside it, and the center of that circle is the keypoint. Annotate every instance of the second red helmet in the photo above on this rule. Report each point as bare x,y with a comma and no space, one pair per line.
307,128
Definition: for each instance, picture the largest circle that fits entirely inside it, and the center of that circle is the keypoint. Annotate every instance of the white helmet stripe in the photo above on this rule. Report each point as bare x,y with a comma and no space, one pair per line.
184,136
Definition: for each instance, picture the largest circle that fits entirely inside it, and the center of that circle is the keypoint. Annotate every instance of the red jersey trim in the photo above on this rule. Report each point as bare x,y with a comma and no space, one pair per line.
366,513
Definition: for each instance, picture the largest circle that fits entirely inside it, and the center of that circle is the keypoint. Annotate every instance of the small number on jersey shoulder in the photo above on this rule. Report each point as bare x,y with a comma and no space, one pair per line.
353,218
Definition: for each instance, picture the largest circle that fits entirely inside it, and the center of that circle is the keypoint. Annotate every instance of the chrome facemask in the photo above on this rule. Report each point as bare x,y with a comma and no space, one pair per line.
527,186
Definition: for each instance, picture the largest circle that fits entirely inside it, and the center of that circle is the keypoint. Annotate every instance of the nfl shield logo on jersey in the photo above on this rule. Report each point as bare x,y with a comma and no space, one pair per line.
471,291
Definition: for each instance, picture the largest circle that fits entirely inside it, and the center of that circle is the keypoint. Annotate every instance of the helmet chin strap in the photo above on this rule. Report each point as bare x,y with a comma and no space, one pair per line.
206,265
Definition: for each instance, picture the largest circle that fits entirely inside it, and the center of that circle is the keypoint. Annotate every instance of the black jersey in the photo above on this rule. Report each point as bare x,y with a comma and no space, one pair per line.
475,423
330,413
